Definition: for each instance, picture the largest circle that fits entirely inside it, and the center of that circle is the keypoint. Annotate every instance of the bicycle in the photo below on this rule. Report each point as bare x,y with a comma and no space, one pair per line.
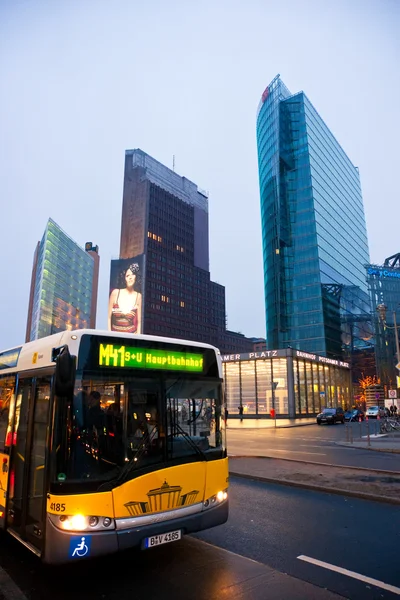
384,426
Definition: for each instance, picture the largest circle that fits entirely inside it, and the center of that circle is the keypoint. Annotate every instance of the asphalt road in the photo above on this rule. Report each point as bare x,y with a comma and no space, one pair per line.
271,524
275,525
311,443
190,569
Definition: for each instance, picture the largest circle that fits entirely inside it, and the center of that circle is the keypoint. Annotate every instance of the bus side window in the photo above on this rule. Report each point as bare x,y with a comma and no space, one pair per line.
7,389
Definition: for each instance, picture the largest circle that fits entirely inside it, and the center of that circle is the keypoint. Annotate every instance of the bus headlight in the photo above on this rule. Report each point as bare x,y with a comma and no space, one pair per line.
219,497
82,522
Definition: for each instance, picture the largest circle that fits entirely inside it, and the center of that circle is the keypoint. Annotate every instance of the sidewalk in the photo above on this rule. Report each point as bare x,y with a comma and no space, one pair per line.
268,423
389,442
368,484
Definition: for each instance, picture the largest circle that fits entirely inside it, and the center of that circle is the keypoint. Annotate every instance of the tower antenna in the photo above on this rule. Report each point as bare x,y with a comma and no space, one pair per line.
173,162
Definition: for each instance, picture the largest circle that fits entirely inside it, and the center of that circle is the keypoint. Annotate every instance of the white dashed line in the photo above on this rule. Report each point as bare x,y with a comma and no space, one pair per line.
297,452
369,580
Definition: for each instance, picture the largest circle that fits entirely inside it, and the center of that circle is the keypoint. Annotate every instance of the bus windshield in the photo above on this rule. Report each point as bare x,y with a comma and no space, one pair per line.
117,426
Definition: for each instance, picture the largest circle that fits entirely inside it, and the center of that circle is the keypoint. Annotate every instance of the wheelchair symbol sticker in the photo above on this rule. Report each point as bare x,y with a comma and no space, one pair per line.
79,546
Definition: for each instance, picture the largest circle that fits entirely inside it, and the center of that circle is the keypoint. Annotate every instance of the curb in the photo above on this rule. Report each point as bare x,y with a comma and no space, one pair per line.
348,445
272,427
319,488
308,462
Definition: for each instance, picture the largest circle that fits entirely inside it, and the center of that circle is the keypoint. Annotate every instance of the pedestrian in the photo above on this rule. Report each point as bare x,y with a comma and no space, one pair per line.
240,409
226,415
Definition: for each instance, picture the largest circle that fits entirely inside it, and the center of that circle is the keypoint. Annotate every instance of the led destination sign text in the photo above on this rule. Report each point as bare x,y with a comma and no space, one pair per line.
111,355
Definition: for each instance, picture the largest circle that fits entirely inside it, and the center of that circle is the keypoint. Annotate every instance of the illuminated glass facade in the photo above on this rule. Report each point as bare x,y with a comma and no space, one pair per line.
64,280
294,383
313,232
384,286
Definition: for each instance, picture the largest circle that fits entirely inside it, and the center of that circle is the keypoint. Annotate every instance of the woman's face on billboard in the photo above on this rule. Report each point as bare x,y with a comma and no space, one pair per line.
130,278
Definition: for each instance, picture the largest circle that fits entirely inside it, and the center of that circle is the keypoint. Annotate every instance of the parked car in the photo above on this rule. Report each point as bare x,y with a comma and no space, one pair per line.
373,412
354,415
331,416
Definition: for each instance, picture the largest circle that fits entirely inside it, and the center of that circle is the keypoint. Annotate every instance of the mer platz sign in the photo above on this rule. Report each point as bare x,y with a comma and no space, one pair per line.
284,354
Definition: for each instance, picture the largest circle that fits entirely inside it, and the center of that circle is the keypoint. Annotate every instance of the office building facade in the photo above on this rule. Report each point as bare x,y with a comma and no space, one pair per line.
164,227
313,233
63,293
384,287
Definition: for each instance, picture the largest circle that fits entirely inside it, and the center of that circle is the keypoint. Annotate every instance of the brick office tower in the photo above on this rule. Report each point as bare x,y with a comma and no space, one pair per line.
165,219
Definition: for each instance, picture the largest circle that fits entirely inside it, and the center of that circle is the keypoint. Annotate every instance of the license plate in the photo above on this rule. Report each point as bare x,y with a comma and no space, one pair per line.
162,538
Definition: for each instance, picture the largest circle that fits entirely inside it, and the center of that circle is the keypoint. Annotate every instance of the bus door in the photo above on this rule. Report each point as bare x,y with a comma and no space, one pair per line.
27,501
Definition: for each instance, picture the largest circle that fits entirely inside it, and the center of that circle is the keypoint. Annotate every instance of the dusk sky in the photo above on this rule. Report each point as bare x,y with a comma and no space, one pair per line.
83,80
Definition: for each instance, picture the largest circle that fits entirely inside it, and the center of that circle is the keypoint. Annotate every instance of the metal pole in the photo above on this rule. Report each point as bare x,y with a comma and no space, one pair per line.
273,399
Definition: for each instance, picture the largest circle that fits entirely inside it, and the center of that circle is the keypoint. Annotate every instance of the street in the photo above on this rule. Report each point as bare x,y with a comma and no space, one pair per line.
271,524
311,536
312,443
274,524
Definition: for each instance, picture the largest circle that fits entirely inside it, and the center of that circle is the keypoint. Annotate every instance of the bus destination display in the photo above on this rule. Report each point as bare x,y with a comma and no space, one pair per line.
112,355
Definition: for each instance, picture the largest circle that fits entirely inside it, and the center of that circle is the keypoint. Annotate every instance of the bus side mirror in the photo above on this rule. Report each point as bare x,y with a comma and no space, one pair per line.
64,379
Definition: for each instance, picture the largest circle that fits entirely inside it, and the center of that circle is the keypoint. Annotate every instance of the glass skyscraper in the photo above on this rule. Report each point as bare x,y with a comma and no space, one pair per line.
64,285
313,232
384,286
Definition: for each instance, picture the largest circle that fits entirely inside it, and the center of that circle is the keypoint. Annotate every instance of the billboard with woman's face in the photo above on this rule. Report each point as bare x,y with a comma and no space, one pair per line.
126,292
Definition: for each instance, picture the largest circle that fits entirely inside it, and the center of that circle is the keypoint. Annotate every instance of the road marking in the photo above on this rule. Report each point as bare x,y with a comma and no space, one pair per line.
9,588
310,446
369,580
297,452
330,447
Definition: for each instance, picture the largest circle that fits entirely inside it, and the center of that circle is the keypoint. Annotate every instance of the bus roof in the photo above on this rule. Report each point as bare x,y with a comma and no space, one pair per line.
38,354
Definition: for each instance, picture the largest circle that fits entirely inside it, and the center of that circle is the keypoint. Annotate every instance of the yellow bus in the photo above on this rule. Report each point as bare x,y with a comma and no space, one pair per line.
110,441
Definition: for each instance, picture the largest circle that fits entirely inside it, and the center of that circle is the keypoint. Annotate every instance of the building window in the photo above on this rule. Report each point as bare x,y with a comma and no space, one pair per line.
154,237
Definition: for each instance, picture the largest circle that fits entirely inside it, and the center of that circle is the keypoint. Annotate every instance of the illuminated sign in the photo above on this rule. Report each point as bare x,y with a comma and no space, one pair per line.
283,354
111,355
322,359
9,358
125,300
383,273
